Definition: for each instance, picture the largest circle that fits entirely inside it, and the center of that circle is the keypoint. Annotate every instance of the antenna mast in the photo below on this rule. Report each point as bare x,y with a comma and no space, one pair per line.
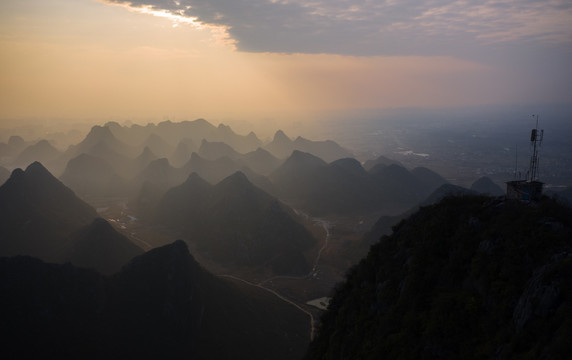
529,189
536,141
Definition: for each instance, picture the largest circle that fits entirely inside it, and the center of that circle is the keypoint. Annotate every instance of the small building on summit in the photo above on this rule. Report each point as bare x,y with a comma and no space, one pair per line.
524,190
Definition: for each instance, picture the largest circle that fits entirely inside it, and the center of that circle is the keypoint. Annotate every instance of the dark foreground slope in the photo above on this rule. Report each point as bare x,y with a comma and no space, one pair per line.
469,278
161,305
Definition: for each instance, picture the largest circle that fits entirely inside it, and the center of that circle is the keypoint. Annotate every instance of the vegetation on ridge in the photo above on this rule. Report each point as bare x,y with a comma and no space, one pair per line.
469,278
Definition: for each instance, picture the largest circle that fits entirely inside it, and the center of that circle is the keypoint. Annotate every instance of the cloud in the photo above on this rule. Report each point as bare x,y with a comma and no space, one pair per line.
376,27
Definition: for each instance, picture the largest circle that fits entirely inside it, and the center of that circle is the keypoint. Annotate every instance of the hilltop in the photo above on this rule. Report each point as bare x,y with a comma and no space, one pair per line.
471,277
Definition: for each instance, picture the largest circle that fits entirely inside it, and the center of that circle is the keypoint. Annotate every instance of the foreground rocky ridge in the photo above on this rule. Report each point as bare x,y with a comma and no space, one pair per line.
472,277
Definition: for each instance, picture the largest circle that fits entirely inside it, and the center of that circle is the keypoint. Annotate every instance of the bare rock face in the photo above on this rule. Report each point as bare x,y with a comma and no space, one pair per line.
542,296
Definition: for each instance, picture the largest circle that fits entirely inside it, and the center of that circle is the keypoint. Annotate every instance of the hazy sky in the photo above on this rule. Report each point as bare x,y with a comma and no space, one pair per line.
261,58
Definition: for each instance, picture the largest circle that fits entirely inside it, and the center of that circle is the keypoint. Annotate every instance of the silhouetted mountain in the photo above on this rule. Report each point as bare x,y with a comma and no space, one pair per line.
41,217
444,191
344,187
122,165
235,222
122,133
384,225
157,177
300,179
214,171
185,203
157,145
327,150
98,246
260,161
282,147
197,130
142,161
37,213
103,135
42,151
350,166
216,150
242,144
400,185
100,142
486,186
11,149
147,199
382,160
352,188
161,305
472,277
90,177
172,133
4,175
429,179
16,144
183,152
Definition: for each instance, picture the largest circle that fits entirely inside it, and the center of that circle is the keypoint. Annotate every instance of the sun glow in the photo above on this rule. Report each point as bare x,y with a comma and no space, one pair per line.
175,18
219,34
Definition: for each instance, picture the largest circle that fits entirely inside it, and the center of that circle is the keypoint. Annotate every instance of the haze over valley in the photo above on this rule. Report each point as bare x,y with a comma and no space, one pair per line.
285,179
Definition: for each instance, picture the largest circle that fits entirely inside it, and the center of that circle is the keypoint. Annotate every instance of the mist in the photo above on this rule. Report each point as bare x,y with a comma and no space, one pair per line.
285,179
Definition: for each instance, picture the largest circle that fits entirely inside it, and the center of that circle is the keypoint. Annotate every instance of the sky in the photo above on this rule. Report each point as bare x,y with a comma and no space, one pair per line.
247,59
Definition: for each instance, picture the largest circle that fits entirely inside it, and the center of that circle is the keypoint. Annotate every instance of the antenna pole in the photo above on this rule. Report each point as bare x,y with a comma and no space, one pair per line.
535,137
516,160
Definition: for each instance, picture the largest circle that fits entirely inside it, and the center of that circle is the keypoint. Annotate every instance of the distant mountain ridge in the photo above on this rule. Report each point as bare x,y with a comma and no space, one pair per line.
4,175
384,225
42,151
345,187
237,223
90,176
282,147
175,132
485,185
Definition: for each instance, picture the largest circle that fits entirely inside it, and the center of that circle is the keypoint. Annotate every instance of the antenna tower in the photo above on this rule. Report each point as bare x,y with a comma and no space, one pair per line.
535,141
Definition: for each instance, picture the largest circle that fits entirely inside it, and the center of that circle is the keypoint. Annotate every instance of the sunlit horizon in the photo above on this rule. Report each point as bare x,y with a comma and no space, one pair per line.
135,60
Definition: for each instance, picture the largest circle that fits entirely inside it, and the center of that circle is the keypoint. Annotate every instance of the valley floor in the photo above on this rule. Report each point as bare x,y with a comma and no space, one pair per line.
330,258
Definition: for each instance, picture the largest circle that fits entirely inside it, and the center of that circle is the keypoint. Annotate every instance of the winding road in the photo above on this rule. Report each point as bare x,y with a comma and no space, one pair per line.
312,327
327,226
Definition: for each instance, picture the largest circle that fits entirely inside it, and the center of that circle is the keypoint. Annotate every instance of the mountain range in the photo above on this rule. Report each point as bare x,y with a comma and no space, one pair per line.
162,304
345,187
282,147
236,223
41,151
41,217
